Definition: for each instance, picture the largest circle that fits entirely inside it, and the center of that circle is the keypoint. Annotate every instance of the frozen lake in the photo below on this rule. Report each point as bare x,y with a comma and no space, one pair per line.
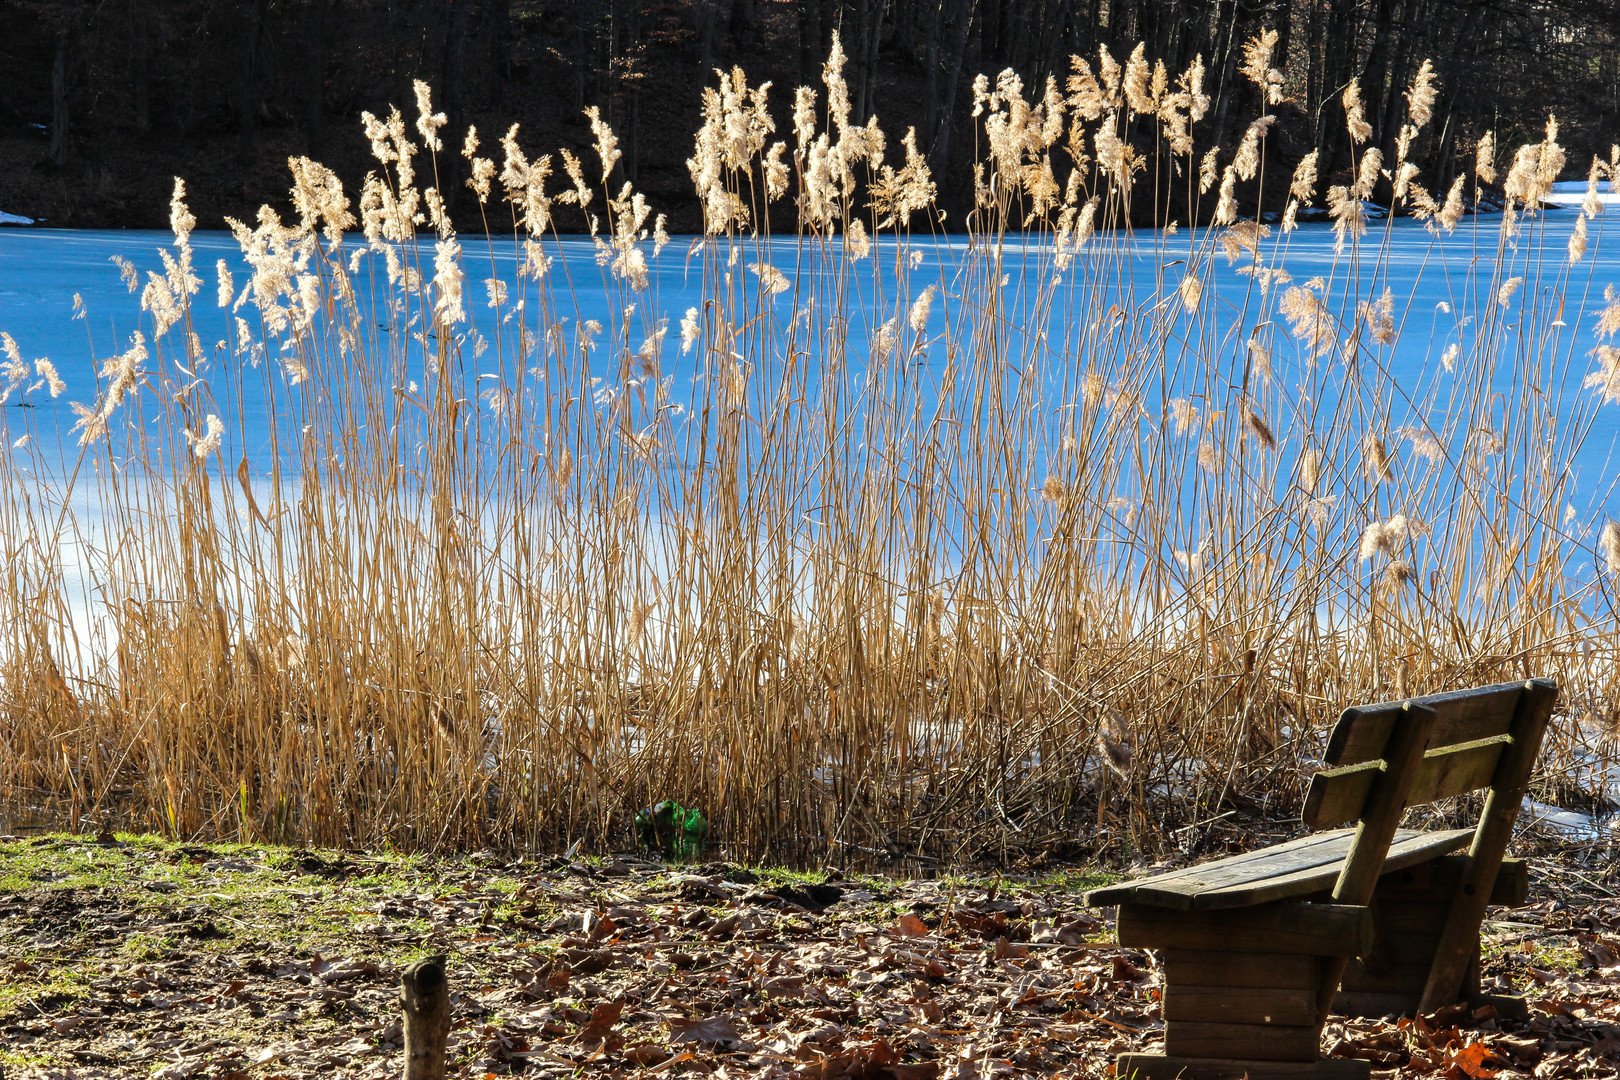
1441,289
1431,280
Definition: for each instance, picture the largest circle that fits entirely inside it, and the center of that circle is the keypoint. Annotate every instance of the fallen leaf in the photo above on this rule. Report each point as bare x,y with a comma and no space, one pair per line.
603,1017
645,1054
704,1030
911,926
1125,971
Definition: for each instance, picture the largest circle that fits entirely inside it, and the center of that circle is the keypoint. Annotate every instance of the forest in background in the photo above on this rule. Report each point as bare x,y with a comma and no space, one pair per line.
104,101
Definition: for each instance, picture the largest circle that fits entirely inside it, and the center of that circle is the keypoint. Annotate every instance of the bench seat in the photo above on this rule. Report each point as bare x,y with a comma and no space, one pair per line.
1300,867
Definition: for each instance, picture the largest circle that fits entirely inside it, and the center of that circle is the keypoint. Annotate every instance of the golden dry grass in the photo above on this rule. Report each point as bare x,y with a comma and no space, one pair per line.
995,554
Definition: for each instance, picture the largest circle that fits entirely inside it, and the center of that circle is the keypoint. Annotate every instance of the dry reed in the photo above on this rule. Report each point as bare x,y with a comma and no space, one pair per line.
951,560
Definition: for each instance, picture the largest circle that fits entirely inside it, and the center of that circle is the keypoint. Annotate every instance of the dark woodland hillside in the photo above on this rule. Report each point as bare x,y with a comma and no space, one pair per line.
105,100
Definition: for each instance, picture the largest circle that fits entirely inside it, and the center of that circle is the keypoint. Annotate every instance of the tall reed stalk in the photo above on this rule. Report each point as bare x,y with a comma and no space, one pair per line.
1047,537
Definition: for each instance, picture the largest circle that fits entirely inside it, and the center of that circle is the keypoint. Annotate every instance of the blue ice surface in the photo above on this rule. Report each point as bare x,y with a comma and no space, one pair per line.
41,270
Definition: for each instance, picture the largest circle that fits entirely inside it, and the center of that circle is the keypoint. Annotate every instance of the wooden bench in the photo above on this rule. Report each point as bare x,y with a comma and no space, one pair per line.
1255,946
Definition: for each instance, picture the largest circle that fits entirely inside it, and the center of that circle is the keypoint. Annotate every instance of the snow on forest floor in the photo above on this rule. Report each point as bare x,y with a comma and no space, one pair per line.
140,958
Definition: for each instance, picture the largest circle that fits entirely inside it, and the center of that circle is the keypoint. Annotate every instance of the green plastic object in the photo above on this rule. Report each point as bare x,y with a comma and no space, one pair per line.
674,830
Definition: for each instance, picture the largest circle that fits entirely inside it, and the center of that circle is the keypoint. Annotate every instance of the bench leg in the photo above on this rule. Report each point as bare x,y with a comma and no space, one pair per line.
1235,1014
1412,907
1161,1067
1245,990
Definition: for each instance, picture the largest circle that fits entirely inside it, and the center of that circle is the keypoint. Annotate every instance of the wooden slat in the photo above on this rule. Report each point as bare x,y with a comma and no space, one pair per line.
1374,1003
1199,967
1412,916
1460,716
1338,795
1507,1006
1248,1005
1512,887
1161,1067
1167,890
1310,929
1398,979
1457,770
1409,946
1288,870
1260,1042
1436,879
1411,847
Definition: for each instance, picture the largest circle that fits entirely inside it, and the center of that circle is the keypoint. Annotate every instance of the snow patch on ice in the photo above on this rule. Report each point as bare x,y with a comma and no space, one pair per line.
1557,819
14,219
1573,193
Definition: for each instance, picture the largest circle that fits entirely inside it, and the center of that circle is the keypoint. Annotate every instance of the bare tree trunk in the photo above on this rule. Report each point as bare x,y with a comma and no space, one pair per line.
1338,64
1283,14
1224,67
869,27
581,53
810,55
743,28
317,77
425,995
706,13
1315,27
448,163
634,51
1058,33
940,144
500,50
1376,76
250,76
406,52
59,98
931,67
140,81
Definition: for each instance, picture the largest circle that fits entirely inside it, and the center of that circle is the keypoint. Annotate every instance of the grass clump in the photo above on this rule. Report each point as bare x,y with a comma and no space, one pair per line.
883,548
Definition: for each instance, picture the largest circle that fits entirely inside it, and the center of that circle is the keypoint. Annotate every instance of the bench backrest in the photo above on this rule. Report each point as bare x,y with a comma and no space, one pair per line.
1470,732
1384,758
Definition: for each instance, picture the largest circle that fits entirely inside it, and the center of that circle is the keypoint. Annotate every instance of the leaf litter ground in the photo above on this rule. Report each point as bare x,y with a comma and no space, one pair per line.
140,958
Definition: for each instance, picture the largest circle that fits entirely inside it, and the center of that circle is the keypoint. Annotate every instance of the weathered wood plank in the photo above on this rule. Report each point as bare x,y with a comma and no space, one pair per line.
1414,847
1460,716
1248,1005
1457,770
1161,1067
1375,1003
1319,860
1507,1006
1199,967
1460,941
1411,916
1512,885
1262,876
1397,979
1436,879
1338,795
1260,1042
1309,929
1317,849
1409,946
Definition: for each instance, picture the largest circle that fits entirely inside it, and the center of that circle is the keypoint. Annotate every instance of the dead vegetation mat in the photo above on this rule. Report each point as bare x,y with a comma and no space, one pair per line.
139,958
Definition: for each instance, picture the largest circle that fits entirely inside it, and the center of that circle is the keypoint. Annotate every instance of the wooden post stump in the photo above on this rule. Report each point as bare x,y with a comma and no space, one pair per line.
425,995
